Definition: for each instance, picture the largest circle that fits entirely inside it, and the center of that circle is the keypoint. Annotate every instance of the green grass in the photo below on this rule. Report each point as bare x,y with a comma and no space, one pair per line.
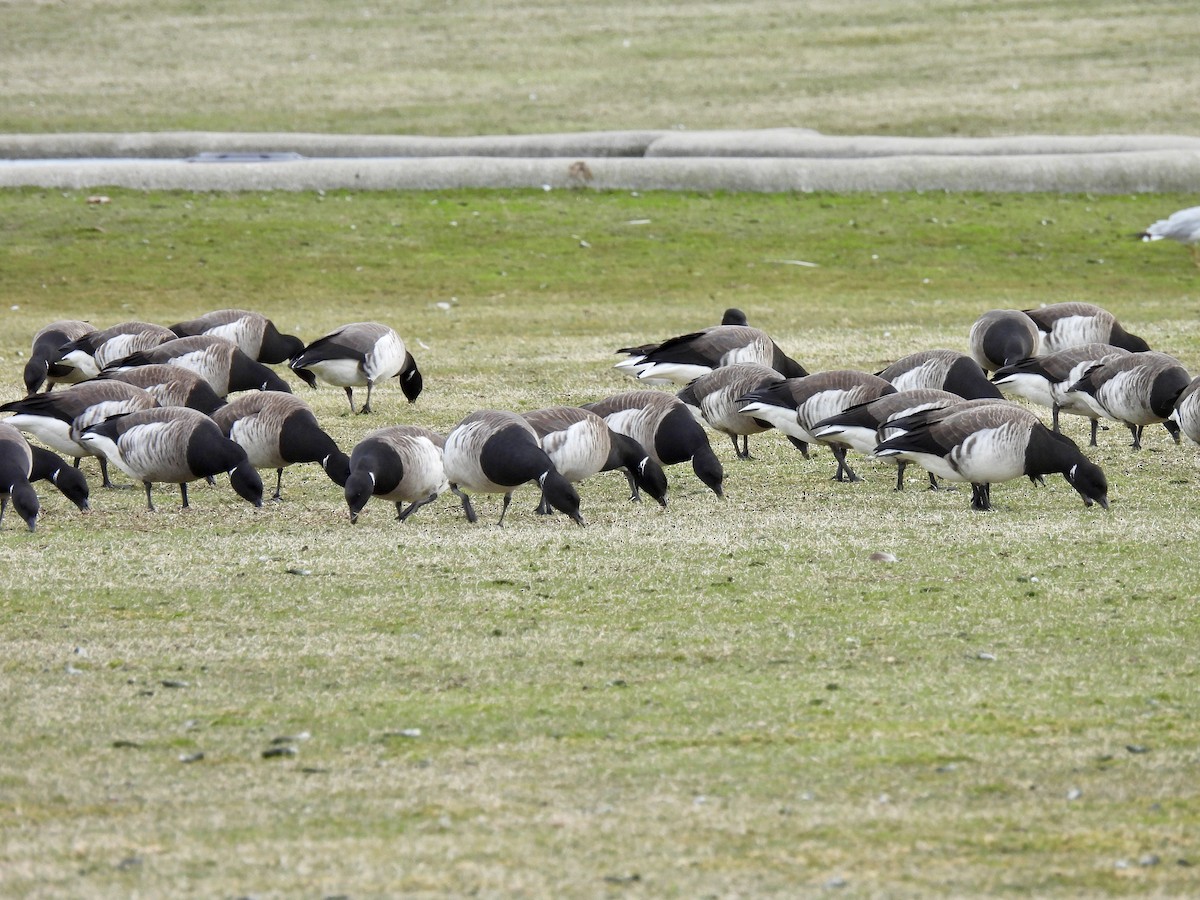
721,698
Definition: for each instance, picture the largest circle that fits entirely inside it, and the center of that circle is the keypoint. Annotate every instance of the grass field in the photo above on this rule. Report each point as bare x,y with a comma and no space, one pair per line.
723,698
932,67
720,699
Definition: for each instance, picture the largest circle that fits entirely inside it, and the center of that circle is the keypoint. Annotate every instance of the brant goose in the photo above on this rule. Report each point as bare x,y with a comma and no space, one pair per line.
215,359
254,333
90,354
580,444
796,405
858,427
495,452
16,464
277,430
715,398
58,419
1045,380
683,359
662,424
1137,390
44,366
51,467
175,445
946,370
1187,410
1068,324
170,386
991,442
1001,337
401,463
362,353
734,316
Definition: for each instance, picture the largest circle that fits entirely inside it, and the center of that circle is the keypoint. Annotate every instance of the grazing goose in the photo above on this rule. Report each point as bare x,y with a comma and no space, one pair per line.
254,333
58,419
796,405
683,359
363,353
1045,380
1068,324
400,464
16,464
946,370
1003,336
1187,411
175,445
170,386
278,430
715,398
51,467
44,366
495,452
580,444
1137,390
662,424
857,427
731,316
996,442
91,353
218,361
1182,226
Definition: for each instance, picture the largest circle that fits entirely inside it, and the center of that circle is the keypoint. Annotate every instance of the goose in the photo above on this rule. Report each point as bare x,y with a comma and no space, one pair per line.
714,398
1137,390
857,427
16,464
495,452
996,442
49,466
1187,411
278,430
58,419
90,354
1182,226
731,316
683,359
580,444
1045,380
44,366
170,386
946,370
400,463
899,424
362,353
1003,336
254,333
1068,324
796,405
663,425
215,359
176,445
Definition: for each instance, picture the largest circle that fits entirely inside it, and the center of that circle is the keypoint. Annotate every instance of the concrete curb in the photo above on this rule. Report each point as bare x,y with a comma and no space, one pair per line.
773,160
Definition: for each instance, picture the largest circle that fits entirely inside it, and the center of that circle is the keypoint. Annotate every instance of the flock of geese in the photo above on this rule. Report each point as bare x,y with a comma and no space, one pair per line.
154,402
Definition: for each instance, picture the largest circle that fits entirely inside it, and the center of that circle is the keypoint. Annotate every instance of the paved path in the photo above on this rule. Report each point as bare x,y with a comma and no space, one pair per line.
766,160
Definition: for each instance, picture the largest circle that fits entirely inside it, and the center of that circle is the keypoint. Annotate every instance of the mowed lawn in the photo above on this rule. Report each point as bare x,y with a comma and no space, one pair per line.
723,698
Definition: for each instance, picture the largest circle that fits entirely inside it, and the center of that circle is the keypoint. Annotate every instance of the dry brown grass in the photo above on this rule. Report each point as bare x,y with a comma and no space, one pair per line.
935,67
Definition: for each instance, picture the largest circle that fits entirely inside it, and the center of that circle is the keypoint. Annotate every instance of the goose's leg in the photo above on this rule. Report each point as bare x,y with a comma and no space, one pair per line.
467,506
